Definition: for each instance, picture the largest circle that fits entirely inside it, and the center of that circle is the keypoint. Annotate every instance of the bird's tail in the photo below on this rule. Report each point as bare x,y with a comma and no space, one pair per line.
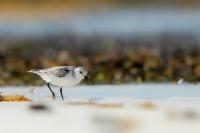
33,71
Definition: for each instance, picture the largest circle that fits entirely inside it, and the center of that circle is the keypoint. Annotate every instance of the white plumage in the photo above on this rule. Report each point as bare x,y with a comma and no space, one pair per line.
63,76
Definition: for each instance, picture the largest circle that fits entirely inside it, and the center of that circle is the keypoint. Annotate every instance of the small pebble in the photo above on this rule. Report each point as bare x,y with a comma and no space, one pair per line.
39,107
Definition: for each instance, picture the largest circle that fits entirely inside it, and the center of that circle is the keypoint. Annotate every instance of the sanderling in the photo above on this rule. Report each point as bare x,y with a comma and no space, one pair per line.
62,76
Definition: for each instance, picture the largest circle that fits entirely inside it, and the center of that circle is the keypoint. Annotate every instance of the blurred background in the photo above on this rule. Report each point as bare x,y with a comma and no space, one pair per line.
117,41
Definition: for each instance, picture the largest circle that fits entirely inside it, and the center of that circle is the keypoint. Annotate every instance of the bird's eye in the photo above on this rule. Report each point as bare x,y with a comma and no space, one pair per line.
81,72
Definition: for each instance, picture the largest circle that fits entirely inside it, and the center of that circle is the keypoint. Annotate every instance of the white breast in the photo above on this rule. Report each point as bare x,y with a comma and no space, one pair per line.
61,81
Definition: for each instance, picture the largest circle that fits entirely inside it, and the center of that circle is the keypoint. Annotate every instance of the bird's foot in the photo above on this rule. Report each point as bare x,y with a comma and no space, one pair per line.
53,96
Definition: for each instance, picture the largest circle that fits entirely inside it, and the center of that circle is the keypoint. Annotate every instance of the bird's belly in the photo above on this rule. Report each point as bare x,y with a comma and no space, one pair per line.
64,81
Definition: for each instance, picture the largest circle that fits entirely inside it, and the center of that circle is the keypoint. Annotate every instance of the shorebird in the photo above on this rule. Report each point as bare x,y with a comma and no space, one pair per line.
62,76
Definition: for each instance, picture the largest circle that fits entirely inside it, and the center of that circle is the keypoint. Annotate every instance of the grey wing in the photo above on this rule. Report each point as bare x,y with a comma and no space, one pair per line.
62,71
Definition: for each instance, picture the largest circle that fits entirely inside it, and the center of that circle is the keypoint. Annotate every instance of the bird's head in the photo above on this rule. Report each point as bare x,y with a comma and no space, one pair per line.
81,73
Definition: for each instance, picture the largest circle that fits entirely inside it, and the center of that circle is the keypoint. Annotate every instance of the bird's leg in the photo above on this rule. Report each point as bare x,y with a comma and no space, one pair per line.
53,94
61,93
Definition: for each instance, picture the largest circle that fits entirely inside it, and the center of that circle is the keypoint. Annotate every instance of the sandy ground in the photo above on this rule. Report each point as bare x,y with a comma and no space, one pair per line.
171,113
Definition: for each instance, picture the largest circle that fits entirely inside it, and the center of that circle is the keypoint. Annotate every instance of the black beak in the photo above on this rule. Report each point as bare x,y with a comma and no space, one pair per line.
87,80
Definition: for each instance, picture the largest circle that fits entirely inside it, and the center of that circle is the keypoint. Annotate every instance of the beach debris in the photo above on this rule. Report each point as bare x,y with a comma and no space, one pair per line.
96,103
147,105
39,107
180,81
12,98
109,105
113,123
79,102
186,114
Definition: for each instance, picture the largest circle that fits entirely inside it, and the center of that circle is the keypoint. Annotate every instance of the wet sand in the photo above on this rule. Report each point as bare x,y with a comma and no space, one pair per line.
104,109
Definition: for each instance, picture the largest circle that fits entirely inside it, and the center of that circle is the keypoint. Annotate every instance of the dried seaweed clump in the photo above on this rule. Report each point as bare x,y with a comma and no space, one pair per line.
147,105
12,98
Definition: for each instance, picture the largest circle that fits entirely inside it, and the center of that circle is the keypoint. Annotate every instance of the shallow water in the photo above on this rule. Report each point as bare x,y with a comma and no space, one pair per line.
130,91
112,22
